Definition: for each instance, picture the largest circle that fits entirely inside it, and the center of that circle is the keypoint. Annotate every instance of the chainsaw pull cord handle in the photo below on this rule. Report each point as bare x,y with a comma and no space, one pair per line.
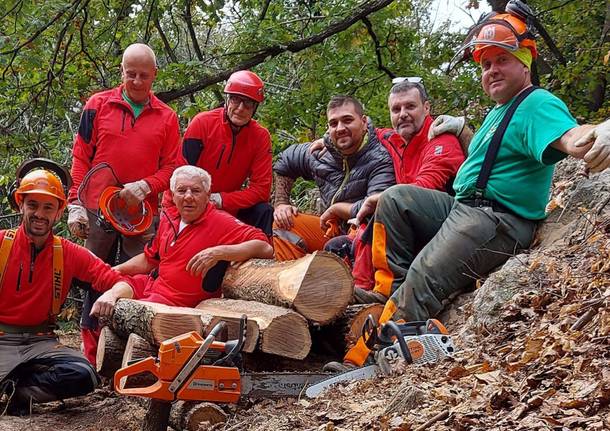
369,332
237,346
391,329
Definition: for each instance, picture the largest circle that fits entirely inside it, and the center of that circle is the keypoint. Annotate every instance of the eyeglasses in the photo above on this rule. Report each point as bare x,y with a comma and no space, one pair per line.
236,100
413,79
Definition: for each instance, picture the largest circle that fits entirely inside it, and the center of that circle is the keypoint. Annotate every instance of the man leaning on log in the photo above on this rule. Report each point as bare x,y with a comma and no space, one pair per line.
185,262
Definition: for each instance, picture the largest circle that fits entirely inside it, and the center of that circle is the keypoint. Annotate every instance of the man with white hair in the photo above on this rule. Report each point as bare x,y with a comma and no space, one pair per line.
138,136
185,262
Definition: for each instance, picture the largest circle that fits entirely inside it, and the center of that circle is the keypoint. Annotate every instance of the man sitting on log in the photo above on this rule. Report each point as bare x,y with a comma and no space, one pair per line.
355,165
187,259
36,271
500,196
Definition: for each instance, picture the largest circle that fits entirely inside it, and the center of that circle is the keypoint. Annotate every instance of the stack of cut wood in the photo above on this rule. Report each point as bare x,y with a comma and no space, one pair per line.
281,300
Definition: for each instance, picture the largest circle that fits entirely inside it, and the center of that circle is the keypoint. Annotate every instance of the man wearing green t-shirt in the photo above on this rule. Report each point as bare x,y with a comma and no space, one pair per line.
429,246
137,135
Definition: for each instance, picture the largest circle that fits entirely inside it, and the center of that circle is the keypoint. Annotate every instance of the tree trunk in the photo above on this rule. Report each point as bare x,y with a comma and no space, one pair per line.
157,322
282,331
189,415
319,286
109,353
157,416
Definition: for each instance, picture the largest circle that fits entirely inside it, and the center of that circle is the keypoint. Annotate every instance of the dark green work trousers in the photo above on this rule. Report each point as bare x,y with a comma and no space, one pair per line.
436,246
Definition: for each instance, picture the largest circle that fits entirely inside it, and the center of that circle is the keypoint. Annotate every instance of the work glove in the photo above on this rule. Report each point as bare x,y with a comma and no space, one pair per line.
598,157
446,124
216,199
135,192
78,221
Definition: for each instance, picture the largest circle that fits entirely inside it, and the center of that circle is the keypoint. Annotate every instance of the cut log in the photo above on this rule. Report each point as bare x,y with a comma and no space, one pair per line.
109,353
335,339
282,331
319,286
138,348
193,416
157,322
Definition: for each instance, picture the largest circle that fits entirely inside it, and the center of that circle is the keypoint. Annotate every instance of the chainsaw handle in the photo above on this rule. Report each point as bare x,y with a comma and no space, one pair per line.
237,345
392,329
217,330
369,332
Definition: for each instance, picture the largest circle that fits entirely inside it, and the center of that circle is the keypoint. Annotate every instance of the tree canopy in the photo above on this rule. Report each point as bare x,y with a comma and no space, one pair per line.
55,54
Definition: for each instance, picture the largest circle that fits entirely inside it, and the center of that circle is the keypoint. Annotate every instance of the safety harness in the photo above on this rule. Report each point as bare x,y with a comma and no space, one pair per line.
58,267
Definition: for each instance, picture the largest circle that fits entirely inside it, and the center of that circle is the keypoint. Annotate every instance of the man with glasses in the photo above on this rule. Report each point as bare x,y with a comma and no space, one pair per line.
138,136
185,262
229,144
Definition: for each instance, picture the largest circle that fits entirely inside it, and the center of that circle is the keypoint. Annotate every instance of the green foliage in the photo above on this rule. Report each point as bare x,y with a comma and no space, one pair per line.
54,54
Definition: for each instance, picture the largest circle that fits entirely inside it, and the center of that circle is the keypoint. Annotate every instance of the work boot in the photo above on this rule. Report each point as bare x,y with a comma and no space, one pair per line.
338,367
362,296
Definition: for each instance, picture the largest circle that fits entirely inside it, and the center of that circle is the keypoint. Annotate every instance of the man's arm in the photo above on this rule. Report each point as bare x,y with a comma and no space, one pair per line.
339,212
83,147
284,211
206,259
139,264
588,142
104,305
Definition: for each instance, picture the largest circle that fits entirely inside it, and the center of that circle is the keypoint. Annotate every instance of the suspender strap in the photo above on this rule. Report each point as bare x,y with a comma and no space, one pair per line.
496,140
58,275
5,251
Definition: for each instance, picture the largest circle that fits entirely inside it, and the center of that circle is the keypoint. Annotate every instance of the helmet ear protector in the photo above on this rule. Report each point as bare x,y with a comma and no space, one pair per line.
129,220
60,183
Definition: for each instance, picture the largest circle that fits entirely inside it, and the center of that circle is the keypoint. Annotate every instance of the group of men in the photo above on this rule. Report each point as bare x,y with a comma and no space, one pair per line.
419,249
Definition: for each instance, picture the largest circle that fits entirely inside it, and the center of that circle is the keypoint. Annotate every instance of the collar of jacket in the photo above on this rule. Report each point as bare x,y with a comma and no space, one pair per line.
370,136
22,233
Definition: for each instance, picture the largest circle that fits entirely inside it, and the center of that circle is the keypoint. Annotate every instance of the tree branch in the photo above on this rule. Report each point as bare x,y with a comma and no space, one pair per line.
168,49
264,10
361,11
188,19
380,65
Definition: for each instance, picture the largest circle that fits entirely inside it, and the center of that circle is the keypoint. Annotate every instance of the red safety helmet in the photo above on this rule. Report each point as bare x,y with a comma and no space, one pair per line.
502,30
246,83
42,182
129,220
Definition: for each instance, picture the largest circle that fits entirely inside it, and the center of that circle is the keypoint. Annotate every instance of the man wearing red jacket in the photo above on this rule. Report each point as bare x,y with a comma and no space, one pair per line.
36,271
185,262
138,136
234,149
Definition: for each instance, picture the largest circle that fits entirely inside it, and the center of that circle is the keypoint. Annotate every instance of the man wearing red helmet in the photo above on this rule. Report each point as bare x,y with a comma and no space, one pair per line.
429,246
138,136
236,151
36,272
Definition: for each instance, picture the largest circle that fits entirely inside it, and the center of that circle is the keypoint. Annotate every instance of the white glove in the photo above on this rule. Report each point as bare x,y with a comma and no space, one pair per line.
135,192
78,221
598,157
216,199
446,124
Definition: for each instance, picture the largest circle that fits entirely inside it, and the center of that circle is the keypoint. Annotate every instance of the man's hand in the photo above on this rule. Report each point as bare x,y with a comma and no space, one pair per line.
318,145
78,221
329,217
368,207
200,264
598,157
135,192
284,216
216,199
104,306
446,124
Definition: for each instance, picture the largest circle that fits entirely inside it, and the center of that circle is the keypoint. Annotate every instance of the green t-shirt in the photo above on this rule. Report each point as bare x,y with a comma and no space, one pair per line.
521,175
137,107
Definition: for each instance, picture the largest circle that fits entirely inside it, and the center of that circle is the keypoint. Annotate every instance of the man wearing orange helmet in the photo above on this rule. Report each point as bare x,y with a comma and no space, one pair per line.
236,151
36,272
500,195
137,135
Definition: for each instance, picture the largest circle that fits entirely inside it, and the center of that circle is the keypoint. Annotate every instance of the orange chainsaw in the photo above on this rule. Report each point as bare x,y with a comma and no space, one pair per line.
190,367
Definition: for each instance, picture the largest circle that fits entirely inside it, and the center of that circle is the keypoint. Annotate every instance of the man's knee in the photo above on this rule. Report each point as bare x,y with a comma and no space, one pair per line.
63,378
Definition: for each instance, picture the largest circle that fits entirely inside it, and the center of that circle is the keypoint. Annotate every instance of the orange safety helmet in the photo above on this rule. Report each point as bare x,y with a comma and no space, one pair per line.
502,30
129,220
246,83
42,182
